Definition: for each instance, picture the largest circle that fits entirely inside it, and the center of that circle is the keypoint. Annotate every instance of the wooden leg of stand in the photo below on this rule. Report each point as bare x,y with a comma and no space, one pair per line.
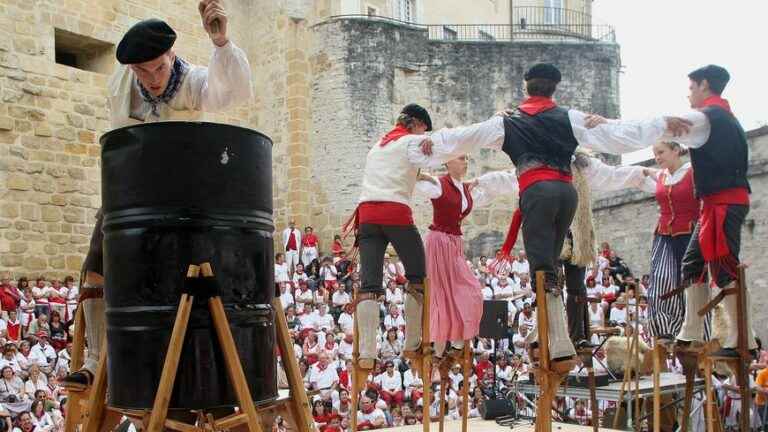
544,407
690,376
426,364
170,365
657,352
466,366
234,367
98,394
624,381
356,388
298,393
443,391
743,349
74,410
636,367
708,395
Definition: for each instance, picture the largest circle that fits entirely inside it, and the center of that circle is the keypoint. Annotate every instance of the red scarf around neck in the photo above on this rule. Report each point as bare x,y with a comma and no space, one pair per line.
536,104
717,101
398,132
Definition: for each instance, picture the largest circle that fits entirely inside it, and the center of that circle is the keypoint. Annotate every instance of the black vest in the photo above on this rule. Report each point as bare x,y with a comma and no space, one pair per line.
546,138
721,163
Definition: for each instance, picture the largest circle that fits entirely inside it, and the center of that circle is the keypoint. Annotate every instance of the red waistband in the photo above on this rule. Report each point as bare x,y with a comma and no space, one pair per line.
735,196
533,176
385,213
526,180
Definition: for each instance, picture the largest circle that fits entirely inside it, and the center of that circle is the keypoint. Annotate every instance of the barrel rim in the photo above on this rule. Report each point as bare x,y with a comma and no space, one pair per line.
175,122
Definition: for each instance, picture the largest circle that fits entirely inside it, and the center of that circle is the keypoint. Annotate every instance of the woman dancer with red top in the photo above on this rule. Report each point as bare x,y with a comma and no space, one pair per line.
678,213
456,299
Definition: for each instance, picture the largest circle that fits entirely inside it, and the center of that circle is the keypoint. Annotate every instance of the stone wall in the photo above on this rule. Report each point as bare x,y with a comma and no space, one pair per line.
627,219
51,117
365,71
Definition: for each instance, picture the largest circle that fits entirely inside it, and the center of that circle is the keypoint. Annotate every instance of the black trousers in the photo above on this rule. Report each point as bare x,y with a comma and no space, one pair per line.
373,241
548,208
576,304
94,260
693,266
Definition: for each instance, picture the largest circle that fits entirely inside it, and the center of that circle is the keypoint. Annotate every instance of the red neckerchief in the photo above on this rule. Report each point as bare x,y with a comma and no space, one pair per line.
398,132
321,366
536,104
717,101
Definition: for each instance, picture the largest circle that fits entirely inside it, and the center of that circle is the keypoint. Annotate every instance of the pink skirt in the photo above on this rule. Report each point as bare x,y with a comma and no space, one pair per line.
456,299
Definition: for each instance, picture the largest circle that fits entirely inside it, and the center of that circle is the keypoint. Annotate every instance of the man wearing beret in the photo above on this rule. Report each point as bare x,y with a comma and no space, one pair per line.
719,158
152,84
540,138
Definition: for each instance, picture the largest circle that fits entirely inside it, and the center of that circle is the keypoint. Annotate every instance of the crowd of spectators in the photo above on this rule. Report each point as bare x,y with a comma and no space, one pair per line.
34,337
317,299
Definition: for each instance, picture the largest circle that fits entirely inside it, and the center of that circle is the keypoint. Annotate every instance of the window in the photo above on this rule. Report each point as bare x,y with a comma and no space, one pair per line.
553,11
449,33
372,11
83,52
406,10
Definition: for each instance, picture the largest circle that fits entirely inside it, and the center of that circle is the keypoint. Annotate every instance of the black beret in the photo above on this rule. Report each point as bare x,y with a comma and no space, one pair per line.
717,76
145,41
545,71
419,112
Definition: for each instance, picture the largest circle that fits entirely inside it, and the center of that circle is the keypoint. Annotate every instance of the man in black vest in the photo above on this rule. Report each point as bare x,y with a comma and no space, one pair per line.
719,156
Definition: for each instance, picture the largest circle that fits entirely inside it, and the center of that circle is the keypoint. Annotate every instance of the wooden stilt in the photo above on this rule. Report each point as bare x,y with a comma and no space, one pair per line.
743,349
708,400
636,365
587,361
426,364
354,381
465,369
658,351
98,393
300,403
544,376
74,410
443,392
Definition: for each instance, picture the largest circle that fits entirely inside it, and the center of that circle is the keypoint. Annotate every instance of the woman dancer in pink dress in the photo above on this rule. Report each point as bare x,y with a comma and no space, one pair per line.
456,299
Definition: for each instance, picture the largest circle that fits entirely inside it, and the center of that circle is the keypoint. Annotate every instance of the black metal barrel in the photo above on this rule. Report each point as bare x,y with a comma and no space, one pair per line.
175,194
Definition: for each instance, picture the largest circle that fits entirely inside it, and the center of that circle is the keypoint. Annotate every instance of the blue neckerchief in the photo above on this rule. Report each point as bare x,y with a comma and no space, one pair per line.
178,72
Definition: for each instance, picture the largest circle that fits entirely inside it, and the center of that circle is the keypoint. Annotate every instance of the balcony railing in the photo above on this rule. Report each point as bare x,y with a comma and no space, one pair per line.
528,24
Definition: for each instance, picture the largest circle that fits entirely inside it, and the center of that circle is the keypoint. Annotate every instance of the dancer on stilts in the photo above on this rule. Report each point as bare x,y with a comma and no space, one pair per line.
678,213
456,299
590,174
719,158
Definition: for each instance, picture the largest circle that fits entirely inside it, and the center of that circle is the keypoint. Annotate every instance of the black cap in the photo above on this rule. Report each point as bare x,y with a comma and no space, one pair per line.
419,112
544,71
145,41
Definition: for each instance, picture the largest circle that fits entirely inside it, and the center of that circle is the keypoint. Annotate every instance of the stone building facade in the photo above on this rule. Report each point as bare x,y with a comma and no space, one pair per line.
324,90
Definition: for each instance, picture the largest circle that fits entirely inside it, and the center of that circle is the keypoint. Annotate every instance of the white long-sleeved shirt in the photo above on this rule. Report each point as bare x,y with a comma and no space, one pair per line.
225,83
600,177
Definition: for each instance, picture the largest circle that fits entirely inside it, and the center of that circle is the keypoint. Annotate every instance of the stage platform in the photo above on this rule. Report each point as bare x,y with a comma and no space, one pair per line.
479,425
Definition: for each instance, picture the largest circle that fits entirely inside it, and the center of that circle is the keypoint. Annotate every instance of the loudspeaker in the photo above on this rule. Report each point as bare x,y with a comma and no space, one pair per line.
493,324
492,408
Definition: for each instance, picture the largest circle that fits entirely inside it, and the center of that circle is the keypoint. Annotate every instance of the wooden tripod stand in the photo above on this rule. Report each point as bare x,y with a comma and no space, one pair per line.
739,365
96,416
425,369
466,365
546,378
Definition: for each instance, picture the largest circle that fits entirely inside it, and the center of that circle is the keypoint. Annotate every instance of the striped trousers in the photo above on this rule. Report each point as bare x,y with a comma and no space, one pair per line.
666,316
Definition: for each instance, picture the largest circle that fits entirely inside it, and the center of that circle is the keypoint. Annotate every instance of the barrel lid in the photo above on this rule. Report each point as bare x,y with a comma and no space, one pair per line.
190,124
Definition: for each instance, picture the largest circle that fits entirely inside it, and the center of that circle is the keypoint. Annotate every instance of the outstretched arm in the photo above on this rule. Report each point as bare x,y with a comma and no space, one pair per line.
604,178
623,136
449,143
492,185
